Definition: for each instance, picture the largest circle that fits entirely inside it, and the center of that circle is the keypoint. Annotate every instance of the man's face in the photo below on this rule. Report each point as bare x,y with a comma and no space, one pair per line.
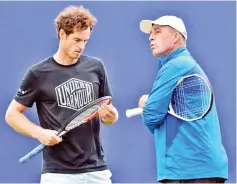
74,43
161,40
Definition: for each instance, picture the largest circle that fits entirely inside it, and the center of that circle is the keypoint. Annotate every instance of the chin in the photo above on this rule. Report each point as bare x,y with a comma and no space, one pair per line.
158,53
155,53
75,56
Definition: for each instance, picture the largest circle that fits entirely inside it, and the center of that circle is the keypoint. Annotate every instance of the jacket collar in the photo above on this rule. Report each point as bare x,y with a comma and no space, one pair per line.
179,51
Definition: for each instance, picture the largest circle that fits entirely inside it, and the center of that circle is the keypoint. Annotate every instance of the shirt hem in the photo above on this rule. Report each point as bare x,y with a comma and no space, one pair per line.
190,177
75,171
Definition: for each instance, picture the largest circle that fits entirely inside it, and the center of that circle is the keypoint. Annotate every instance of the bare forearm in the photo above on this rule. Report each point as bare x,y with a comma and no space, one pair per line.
21,124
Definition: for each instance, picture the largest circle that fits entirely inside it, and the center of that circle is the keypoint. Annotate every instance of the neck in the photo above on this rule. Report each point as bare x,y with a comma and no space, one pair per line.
176,46
62,58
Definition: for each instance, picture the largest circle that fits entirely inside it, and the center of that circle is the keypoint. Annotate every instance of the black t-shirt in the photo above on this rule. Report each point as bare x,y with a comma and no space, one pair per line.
59,91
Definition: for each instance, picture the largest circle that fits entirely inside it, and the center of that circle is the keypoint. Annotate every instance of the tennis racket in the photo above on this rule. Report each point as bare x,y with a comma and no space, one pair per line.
191,99
82,116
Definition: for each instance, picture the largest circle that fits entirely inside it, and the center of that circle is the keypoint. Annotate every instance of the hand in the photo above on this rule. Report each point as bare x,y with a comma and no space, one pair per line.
142,101
108,114
48,137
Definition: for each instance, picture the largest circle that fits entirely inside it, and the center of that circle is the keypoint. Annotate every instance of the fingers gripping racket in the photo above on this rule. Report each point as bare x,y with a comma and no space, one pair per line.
191,100
82,116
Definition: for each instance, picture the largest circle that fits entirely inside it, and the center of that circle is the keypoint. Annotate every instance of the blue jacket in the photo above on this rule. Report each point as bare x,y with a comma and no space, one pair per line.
184,150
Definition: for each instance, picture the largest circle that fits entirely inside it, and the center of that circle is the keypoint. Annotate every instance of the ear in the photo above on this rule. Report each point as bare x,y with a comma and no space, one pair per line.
62,34
176,36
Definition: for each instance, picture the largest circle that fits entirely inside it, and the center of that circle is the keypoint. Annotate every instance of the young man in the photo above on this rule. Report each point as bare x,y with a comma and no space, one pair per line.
60,85
187,152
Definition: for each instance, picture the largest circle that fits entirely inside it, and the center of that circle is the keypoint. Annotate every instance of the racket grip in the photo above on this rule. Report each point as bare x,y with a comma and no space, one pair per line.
133,112
32,153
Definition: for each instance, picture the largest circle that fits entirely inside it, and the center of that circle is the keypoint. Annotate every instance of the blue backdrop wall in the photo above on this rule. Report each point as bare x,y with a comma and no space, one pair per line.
28,35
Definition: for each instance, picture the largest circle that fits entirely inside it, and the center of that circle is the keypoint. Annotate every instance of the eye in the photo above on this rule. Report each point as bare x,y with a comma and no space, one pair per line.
157,31
77,40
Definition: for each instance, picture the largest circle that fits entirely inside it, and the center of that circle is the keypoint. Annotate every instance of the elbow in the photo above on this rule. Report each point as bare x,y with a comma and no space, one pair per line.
9,116
145,117
152,118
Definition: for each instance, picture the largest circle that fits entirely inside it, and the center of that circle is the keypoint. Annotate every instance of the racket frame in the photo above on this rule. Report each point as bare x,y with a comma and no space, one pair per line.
171,111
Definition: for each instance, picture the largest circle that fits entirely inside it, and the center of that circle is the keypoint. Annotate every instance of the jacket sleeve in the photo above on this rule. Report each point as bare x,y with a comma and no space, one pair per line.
156,106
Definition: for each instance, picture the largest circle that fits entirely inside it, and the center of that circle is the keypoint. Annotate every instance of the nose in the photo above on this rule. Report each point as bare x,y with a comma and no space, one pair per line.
81,45
151,37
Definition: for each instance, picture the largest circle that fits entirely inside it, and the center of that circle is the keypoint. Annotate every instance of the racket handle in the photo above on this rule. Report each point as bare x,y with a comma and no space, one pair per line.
133,112
32,153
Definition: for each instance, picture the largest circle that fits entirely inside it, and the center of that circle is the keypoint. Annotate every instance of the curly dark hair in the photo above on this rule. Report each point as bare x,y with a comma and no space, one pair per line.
74,17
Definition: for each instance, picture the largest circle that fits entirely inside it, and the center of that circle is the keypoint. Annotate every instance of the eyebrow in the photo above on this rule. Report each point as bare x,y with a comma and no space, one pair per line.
76,38
156,27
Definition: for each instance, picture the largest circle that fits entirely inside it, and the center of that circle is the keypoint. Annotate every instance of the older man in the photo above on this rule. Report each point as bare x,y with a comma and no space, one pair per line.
187,152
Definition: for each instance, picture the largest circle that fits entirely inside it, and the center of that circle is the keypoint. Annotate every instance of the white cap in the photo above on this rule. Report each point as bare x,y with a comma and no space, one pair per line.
168,20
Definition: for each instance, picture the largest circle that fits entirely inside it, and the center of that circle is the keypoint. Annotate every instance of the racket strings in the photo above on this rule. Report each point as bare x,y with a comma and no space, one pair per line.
195,111
192,98
78,120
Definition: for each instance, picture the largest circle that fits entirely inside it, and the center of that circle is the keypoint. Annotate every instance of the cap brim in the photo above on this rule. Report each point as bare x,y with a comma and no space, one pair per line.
146,26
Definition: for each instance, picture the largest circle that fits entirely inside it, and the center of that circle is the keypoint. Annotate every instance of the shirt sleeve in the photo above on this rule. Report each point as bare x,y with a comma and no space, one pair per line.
104,83
156,106
27,93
